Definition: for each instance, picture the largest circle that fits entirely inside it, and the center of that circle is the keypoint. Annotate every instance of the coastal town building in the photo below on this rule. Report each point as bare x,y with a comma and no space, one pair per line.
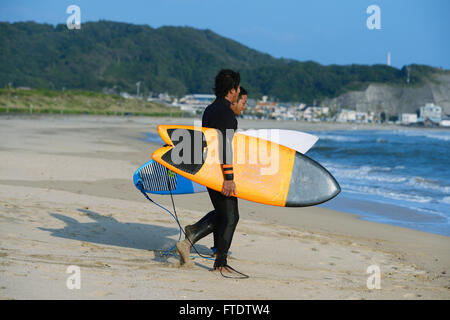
430,112
408,118
314,113
195,103
346,115
445,122
164,97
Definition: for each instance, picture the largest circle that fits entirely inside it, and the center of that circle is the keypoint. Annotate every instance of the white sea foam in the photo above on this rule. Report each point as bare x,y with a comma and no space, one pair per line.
439,135
381,174
428,184
367,173
388,194
446,200
338,138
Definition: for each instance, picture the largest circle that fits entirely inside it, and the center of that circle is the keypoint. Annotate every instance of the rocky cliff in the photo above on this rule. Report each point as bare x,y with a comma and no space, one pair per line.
396,99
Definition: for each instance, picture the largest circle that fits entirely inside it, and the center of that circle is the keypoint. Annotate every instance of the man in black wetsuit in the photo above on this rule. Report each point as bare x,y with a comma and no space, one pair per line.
222,221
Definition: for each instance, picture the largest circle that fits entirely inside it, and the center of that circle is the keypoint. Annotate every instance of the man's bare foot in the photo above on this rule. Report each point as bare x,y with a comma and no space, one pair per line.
184,250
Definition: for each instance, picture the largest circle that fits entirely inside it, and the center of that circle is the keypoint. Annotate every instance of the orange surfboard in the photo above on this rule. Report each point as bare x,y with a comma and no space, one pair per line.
264,171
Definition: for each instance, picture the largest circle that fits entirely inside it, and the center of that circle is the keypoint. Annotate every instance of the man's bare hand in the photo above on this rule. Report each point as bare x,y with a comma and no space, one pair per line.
229,188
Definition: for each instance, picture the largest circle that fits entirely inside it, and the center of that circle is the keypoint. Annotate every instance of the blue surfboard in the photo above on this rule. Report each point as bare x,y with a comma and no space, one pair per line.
153,177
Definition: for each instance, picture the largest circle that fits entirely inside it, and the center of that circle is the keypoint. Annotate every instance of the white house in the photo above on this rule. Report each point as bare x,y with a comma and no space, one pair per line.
312,112
445,122
195,102
408,118
346,116
432,112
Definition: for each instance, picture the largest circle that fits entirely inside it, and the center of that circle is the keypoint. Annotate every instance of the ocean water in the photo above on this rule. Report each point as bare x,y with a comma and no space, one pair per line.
399,177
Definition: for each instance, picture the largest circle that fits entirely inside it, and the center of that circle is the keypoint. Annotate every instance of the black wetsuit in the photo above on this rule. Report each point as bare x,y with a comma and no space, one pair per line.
223,219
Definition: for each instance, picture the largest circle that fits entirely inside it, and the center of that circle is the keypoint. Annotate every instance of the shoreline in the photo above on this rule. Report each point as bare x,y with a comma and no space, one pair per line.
67,198
242,123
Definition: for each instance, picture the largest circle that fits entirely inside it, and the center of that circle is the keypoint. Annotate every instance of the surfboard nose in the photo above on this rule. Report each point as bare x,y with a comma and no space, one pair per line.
310,184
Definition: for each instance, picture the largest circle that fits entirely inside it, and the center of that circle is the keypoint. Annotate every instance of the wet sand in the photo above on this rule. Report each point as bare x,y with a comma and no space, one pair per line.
67,198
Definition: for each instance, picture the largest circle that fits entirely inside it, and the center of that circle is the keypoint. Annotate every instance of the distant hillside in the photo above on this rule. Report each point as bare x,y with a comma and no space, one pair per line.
177,60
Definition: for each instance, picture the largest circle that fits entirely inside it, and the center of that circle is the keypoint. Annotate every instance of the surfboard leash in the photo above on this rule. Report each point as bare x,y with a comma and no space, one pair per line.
175,217
141,188
243,275
178,221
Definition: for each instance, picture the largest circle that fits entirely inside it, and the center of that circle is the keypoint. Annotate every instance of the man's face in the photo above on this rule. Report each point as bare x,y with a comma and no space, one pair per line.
236,92
239,106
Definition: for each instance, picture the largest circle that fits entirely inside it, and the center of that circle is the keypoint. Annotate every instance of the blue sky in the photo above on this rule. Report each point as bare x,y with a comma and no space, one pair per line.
325,31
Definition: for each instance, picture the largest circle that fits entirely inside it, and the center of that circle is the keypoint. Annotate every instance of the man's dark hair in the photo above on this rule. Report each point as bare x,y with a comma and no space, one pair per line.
226,80
243,92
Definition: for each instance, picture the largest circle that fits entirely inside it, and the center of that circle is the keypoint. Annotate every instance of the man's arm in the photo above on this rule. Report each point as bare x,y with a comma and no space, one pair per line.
229,186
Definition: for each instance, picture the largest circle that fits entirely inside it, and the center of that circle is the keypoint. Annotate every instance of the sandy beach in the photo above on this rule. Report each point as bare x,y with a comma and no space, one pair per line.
67,199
